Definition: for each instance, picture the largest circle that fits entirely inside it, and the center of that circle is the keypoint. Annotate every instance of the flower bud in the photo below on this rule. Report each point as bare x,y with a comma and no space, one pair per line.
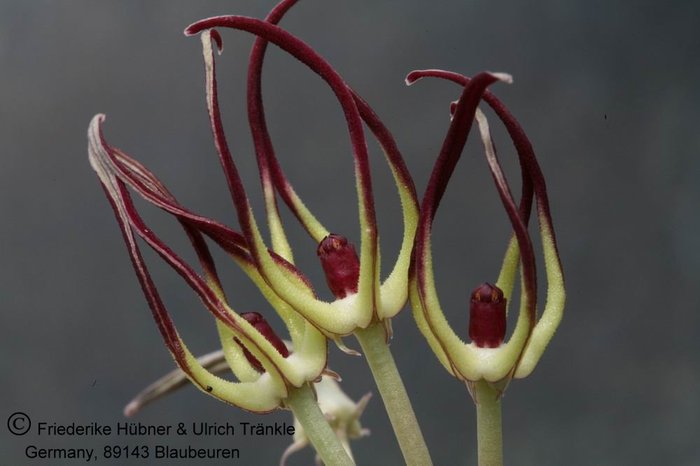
258,321
487,316
340,264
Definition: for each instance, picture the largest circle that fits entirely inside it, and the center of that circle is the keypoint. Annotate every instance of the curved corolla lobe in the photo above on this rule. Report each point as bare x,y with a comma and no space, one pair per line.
147,185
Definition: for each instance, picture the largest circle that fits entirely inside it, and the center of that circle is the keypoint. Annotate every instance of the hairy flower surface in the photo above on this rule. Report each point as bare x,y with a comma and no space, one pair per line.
486,357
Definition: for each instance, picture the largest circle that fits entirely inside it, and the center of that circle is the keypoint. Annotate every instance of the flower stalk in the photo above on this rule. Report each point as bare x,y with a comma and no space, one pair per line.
303,404
489,433
391,387
342,413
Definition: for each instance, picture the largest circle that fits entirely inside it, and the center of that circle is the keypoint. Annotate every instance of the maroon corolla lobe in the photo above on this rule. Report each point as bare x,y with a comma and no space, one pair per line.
340,264
258,321
487,316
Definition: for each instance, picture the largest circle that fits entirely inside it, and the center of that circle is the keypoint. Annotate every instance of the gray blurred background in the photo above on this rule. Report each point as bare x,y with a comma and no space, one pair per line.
606,90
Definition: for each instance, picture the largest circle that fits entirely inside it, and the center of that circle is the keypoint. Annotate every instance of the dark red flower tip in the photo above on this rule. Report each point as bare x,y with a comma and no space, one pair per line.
487,293
258,321
340,264
487,316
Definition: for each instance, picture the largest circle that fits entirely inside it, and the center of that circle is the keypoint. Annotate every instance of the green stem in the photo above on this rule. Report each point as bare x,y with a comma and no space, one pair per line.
488,424
304,406
398,406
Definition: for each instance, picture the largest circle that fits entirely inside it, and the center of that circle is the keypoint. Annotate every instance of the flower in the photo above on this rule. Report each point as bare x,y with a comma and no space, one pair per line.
487,357
360,303
257,390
